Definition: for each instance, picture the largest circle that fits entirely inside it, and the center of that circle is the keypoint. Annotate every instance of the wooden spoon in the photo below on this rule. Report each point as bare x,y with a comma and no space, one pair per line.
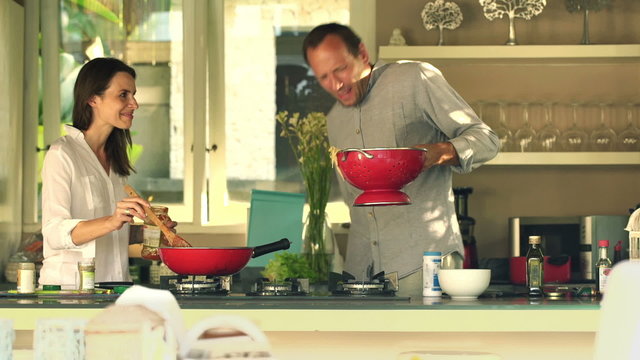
173,239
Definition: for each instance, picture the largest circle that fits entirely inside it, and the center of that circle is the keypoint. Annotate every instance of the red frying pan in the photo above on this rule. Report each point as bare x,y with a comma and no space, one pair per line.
215,261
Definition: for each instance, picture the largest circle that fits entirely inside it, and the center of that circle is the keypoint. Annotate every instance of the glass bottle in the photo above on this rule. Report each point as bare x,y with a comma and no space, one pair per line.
617,252
152,235
535,267
603,266
87,272
466,224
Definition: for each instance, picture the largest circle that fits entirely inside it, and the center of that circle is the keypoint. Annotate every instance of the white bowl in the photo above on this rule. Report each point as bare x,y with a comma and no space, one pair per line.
464,284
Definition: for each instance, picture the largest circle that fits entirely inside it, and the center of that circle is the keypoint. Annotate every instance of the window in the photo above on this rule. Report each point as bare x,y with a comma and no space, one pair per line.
211,77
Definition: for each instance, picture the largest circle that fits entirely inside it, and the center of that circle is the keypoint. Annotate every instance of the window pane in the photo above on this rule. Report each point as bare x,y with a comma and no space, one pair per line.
265,74
148,36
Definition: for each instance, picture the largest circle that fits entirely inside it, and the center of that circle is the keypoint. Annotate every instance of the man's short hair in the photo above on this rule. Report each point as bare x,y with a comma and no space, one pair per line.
315,37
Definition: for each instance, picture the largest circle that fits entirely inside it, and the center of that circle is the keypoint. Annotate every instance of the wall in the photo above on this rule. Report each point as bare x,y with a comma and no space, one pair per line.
504,191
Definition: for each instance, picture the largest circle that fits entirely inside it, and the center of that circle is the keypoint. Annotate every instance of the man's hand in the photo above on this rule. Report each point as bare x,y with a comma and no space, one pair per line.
442,153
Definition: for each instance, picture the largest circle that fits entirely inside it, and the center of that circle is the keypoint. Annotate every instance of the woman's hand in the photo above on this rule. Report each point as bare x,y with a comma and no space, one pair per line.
126,209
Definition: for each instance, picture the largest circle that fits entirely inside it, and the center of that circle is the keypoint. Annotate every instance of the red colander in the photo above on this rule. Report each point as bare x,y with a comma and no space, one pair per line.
381,173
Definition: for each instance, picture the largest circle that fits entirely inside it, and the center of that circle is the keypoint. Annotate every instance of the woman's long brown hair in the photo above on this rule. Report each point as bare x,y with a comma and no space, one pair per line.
93,79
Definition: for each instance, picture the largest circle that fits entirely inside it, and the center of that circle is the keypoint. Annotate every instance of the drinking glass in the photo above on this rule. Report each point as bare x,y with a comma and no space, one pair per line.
603,138
549,136
502,130
59,339
574,138
524,137
629,138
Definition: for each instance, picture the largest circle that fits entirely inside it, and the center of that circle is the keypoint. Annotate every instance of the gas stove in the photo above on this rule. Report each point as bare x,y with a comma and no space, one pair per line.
346,284
288,287
184,285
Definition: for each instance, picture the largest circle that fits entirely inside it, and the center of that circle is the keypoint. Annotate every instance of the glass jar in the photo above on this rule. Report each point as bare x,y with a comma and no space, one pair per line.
26,278
152,236
87,272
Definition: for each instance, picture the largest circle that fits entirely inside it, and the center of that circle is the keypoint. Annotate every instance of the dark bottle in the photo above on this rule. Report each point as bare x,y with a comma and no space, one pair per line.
466,224
617,252
535,267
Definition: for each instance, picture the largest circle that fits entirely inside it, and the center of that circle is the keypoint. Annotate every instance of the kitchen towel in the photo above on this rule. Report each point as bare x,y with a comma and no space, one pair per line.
275,215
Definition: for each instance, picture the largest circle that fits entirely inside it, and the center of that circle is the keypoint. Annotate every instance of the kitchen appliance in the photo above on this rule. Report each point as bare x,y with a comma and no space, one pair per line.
574,236
466,224
345,284
196,285
215,261
288,287
381,173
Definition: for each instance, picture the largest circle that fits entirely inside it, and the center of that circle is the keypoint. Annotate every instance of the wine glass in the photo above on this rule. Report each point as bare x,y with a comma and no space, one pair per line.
524,137
549,136
603,138
629,138
503,132
574,138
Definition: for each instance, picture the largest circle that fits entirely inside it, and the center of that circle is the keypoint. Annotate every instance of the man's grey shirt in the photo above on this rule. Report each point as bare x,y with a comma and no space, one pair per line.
406,104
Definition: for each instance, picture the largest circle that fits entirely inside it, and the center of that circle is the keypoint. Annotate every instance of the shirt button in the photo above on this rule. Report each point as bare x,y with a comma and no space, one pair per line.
375,243
358,131
370,214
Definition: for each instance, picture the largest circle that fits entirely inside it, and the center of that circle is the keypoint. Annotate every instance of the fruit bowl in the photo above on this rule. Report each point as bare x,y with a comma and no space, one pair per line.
381,173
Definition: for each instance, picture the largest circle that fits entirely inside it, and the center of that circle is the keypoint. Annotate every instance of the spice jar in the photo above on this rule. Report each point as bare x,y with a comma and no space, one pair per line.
26,278
87,272
152,236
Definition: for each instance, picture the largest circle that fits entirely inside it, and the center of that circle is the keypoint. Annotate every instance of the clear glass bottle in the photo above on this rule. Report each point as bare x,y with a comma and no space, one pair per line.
603,266
535,267
87,273
151,234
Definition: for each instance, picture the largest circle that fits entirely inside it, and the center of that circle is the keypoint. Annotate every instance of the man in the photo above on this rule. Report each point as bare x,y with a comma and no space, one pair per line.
406,104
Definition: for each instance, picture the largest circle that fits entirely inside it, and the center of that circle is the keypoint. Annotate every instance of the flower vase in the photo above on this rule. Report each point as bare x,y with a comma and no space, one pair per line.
318,244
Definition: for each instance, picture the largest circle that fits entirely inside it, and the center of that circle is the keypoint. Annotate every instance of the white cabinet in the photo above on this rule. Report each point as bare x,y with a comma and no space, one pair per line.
627,56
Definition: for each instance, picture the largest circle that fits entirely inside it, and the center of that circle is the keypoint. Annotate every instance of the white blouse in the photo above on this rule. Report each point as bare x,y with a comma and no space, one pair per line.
75,187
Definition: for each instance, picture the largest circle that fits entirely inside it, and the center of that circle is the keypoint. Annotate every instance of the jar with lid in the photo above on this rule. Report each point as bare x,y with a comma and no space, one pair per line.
26,278
152,235
87,273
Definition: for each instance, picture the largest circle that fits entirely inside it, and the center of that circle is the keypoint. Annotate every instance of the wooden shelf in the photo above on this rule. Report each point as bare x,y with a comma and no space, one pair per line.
567,158
608,53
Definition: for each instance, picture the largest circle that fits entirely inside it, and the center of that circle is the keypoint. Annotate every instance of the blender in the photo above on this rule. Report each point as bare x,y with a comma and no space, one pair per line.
466,224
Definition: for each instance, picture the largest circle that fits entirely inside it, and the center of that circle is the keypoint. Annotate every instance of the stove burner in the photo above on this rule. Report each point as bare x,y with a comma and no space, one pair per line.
346,284
196,285
289,287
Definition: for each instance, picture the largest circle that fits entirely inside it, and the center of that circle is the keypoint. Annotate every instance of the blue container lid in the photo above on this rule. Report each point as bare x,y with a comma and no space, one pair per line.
432,253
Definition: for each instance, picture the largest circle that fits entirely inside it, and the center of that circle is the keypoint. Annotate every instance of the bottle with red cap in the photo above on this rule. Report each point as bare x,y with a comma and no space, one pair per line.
603,267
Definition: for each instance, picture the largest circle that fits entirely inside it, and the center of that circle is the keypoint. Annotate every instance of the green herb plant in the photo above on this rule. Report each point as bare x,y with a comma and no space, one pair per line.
286,265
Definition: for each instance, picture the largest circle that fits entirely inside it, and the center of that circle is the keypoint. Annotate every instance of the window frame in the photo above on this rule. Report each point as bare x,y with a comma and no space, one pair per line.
205,200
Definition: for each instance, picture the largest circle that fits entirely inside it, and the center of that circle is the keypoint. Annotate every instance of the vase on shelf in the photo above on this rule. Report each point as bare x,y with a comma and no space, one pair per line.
318,244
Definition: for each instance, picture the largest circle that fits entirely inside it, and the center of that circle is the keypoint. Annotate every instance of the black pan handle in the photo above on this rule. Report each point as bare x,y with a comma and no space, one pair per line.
282,244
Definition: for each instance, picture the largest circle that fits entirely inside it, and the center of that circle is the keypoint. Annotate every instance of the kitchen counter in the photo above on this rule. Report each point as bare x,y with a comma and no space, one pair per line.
373,329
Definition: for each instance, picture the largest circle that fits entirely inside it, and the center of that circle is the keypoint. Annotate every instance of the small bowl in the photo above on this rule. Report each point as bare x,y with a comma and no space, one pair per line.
464,284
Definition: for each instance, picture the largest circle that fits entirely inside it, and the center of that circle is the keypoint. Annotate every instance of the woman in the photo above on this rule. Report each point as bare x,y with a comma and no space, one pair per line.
85,211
